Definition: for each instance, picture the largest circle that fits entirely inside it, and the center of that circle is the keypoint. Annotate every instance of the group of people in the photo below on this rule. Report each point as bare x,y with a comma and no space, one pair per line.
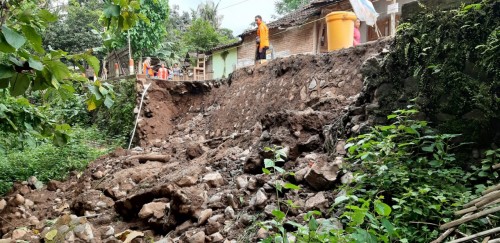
162,72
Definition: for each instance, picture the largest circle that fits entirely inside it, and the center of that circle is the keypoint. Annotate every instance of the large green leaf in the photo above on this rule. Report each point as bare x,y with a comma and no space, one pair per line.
6,71
58,69
41,82
14,39
47,16
93,62
382,208
35,64
108,102
19,83
33,37
4,46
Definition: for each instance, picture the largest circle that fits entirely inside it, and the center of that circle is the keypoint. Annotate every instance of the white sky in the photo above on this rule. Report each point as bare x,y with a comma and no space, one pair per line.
238,14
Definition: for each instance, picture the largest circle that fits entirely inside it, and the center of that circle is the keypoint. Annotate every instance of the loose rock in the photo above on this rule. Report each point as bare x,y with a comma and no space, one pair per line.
18,234
229,212
322,174
156,209
214,179
316,202
216,237
197,238
259,199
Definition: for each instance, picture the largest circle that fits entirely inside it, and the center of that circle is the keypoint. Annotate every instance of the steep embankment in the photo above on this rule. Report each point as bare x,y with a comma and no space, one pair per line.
197,175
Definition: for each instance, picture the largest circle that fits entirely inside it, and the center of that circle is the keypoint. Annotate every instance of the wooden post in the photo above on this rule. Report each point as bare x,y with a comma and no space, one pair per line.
393,21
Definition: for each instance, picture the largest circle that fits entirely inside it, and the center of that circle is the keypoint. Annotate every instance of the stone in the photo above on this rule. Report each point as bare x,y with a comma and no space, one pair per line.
322,174
229,212
197,238
109,232
194,150
184,226
383,90
252,184
3,204
303,94
28,203
217,198
19,233
84,232
262,233
300,174
98,175
313,143
24,190
217,218
269,209
347,178
53,185
156,209
232,201
19,200
212,227
216,237
265,136
340,148
33,220
355,129
313,84
214,179
204,215
241,182
187,181
316,202
70,237
32,180
259,199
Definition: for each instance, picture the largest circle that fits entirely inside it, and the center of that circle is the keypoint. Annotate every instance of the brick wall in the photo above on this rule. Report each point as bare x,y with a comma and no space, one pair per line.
292,41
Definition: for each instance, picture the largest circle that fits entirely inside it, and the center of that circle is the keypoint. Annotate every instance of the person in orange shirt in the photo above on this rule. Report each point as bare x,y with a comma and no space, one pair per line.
163,72
262,39
146,67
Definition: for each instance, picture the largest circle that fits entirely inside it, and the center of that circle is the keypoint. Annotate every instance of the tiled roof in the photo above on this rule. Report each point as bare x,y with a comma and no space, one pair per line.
225,46
299,16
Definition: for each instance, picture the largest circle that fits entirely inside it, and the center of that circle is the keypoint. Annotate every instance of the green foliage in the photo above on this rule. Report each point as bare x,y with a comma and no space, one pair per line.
288,6
147,35
413,168
117,121
452,59
78,31
50,162
202,36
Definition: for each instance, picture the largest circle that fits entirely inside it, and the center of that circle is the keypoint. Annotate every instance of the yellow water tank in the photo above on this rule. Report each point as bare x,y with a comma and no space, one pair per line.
340,30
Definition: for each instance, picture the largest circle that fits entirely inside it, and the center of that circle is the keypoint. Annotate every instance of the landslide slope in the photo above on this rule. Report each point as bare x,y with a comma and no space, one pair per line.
196,176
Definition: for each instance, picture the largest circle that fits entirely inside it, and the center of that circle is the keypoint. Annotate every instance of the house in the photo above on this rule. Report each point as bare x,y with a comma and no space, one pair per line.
223,60
300,32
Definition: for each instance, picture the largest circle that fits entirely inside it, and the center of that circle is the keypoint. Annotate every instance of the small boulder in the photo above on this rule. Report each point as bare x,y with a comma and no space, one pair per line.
18,200
229,212
3,204
214,179
84,232
19,233
194,150
322,174
97,175
316,202
203,215
340,148
197,238
216,237
241,182
259,199
187,181
262,233
53,185
156,209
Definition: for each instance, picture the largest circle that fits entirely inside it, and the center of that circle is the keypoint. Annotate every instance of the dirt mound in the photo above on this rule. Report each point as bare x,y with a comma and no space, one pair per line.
197,176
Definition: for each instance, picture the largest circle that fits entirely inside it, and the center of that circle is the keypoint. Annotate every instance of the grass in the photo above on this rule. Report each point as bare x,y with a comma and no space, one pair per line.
47,161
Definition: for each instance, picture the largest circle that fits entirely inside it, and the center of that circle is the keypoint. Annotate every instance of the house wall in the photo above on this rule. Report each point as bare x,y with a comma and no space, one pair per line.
221,66
384,20
283,43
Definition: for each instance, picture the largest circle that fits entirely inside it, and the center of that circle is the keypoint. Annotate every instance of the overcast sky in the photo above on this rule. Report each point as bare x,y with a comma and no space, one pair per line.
238,14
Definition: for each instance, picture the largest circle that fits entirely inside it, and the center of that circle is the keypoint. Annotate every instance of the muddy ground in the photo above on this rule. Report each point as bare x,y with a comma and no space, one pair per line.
196,175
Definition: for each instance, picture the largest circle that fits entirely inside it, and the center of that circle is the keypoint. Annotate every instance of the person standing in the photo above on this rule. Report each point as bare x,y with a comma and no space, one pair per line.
146,67
357,33
262,39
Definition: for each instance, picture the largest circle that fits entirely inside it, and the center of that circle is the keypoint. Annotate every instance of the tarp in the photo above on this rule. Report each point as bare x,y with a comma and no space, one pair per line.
365,11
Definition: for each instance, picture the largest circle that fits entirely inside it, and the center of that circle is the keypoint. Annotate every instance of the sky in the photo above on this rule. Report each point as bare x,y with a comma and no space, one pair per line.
238,14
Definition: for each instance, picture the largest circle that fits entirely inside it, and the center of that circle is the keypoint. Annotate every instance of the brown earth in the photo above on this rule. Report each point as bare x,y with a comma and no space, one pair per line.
196,176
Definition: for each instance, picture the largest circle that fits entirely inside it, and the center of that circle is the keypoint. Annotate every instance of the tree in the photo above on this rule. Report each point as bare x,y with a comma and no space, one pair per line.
77,31
208,12
148,34
201,36
25,65
287,6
